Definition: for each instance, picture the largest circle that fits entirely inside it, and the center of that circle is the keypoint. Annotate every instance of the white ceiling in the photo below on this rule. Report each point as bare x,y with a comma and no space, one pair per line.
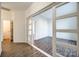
16,5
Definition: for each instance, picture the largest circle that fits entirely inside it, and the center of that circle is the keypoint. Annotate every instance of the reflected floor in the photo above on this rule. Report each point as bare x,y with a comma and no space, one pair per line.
46,45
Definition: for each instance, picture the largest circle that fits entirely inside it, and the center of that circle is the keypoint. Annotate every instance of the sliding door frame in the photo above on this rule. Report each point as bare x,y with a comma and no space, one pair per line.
29,36
70,31
54,30
78,28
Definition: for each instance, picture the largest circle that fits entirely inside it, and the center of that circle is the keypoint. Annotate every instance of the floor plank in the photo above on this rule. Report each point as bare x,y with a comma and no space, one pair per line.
19,50
45,44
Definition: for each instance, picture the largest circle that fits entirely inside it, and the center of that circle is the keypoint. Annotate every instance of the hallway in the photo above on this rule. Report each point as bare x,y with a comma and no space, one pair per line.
19,50
39,29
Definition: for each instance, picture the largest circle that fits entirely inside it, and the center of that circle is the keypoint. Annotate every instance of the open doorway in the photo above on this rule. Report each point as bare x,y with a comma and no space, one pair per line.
7,31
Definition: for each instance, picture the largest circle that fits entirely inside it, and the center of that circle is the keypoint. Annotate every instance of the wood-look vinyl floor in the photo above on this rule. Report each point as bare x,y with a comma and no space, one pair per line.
19,50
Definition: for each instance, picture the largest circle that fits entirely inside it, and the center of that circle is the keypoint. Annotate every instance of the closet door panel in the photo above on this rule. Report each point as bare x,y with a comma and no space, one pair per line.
66,9
67,23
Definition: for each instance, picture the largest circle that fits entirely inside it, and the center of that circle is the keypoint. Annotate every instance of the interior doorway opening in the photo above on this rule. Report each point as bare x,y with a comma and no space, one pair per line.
7,31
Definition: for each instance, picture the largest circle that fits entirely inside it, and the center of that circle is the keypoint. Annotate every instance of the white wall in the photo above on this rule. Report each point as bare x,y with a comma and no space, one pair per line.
5,15
41,27
50,28
19,26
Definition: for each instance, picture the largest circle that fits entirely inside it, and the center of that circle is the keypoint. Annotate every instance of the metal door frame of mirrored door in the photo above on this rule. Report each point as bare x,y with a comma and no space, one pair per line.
53,31
51,6
54,26
77,30
33,30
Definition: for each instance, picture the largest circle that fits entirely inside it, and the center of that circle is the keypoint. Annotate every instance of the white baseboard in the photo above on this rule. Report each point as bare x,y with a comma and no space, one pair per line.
19,42
41,51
